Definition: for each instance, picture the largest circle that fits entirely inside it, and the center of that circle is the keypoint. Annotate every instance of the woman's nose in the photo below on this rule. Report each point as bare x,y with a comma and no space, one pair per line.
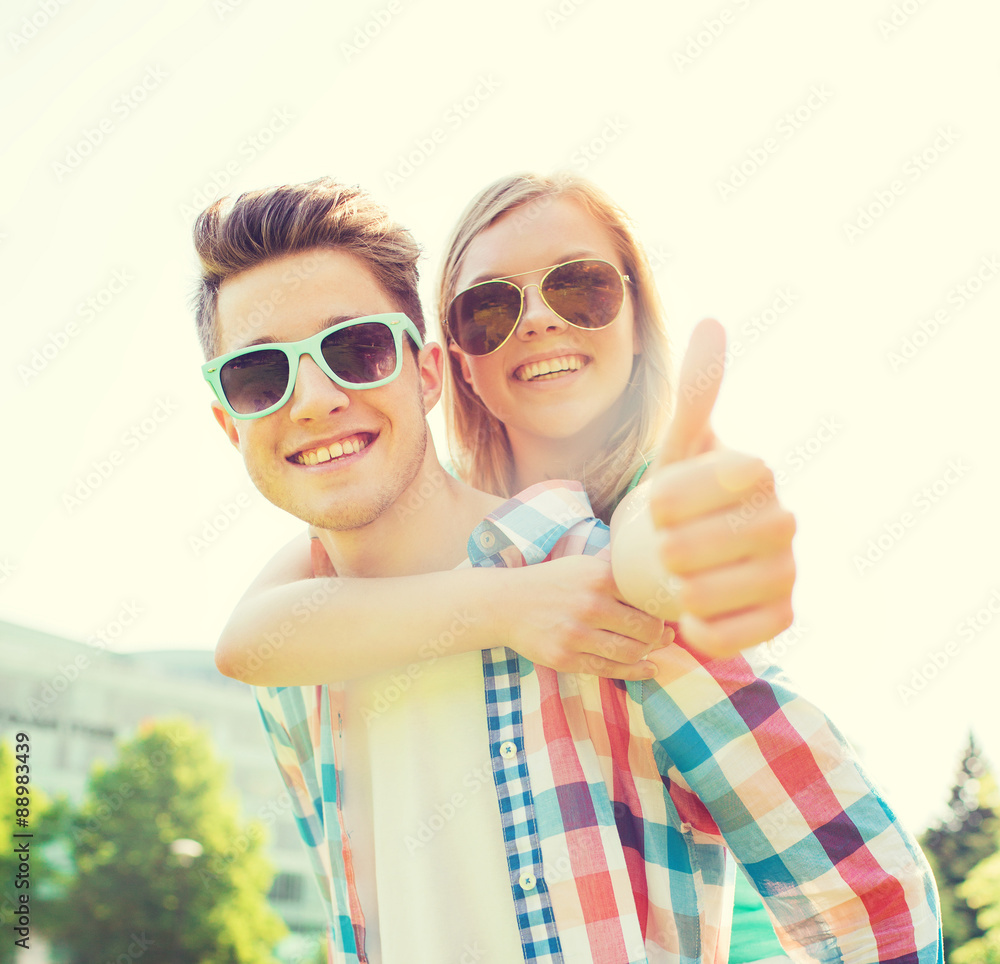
536,316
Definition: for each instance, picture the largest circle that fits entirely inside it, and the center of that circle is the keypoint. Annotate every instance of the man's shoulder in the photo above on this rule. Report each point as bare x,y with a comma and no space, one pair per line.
549,518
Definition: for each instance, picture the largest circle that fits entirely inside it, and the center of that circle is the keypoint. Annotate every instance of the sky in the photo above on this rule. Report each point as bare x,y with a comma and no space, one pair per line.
821,179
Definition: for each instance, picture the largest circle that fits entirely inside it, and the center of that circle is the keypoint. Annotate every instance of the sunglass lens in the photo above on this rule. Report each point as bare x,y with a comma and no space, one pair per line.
362,353
255,381
588,294
481,317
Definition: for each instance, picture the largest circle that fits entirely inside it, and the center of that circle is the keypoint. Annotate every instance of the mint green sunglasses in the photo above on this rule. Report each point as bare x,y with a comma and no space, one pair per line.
361,353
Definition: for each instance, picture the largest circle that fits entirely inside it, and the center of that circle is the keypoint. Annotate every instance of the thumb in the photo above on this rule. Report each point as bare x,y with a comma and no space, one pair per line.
690,432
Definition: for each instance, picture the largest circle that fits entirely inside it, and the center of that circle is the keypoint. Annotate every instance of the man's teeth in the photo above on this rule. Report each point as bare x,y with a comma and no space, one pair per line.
335,451
565,363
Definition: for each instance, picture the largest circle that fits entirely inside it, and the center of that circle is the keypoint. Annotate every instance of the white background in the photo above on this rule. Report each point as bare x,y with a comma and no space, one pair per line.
425,102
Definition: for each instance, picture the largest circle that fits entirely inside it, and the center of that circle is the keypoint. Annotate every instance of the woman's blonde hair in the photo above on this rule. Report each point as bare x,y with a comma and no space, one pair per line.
479,444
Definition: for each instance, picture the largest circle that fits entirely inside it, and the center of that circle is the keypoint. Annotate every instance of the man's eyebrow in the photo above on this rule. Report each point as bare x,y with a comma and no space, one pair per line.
580,255
323,325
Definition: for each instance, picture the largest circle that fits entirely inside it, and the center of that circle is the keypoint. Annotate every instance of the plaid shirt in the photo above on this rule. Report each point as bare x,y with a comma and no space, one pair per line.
621,801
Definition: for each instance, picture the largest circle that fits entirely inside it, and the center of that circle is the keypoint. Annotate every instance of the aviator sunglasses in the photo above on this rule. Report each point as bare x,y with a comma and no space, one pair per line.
362,353
587,293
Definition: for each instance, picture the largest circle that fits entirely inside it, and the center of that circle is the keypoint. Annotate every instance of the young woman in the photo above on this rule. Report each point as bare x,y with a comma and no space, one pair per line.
536,394
559,370
544,385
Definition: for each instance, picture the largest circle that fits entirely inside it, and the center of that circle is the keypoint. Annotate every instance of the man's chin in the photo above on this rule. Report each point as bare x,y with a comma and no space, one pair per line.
344,516
353,503
310,506
356,517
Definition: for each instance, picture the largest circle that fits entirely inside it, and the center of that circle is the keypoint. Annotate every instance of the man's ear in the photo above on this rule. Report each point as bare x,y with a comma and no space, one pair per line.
227,424
430,363
463,363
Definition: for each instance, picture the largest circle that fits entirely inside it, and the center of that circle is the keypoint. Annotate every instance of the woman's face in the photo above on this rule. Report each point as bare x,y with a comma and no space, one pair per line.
589,370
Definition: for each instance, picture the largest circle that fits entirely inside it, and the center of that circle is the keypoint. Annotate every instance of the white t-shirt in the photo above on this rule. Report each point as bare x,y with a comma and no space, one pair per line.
417,792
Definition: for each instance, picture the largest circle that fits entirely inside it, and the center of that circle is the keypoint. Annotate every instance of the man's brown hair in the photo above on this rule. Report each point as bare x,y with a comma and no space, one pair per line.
232,236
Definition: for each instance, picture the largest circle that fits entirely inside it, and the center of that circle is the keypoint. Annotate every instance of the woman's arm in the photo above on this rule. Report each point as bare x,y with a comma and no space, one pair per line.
747,760
291,629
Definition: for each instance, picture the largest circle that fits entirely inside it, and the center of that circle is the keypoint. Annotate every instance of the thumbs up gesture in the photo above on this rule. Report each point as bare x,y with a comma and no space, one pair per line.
690,431
718,528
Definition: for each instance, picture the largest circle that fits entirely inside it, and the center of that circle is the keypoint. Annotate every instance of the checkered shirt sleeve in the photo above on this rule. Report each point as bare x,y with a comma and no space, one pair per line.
302,727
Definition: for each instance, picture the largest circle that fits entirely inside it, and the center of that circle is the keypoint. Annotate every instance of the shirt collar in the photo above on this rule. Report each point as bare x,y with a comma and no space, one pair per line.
531,522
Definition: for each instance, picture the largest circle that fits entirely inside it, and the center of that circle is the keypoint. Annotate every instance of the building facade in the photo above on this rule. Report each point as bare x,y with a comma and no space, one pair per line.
77,702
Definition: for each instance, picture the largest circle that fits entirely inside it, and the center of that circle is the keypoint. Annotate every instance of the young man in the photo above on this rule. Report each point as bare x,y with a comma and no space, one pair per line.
478,807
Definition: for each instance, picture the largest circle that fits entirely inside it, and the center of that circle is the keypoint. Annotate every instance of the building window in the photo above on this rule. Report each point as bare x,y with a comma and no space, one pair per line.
287,887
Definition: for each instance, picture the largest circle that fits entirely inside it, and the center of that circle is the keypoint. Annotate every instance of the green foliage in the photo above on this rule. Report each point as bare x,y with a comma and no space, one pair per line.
321,955
304,949
165,870
969,833
982,892
46,822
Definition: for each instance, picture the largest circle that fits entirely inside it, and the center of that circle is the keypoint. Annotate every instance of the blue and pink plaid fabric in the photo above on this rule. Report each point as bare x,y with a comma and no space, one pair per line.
622,802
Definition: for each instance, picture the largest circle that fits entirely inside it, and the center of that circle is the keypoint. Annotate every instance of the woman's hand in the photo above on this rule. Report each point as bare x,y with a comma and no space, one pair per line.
727,540
720,535
566,614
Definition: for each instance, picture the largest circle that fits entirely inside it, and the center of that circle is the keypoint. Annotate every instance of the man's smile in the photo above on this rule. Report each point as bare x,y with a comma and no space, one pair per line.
331,450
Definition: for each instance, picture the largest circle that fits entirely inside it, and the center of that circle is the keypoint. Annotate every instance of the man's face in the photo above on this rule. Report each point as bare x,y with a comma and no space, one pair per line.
291,454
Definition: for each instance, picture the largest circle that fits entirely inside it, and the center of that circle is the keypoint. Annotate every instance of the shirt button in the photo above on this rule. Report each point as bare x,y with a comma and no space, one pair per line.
527,881
508,750
487,540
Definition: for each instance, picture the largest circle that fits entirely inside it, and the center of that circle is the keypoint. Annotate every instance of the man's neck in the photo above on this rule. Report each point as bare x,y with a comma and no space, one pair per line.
425,530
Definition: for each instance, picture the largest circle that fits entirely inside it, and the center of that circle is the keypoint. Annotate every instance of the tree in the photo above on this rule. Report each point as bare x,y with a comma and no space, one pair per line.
164,868
982,892
965,837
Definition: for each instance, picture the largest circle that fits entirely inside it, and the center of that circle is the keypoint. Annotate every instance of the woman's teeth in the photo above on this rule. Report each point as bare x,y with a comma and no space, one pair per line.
335,451
551,366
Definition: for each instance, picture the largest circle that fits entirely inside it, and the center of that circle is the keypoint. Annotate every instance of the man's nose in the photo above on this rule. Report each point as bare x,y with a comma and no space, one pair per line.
315,395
